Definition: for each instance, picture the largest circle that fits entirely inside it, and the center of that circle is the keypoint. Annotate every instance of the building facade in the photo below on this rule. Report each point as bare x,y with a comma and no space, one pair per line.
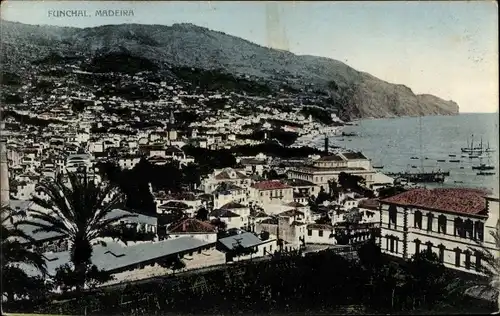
453,223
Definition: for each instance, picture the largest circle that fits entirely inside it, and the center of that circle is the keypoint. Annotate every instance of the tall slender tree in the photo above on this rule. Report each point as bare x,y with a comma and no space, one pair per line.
79,209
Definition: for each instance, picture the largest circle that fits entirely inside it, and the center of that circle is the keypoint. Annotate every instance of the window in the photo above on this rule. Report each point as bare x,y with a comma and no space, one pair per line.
479,230
442,224
309,232
457,257
320,233
393,215
478,256
430,219
264,250
417,246
469,229
467,259
418,220
392,244
270,248
459,227
441,253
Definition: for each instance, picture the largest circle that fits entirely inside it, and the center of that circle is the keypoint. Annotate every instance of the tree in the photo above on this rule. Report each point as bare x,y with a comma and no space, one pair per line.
491,263
353,217
428,278
79,210
333,189
322,197
202,214
14,250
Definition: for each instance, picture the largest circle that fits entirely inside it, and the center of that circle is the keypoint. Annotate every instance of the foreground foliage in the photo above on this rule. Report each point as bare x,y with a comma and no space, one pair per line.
14,250
320,282
81,211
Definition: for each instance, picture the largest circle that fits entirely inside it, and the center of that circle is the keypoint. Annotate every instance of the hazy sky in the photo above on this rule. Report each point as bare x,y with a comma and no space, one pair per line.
449,49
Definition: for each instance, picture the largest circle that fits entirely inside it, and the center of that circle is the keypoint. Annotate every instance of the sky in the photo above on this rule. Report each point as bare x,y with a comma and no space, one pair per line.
448,48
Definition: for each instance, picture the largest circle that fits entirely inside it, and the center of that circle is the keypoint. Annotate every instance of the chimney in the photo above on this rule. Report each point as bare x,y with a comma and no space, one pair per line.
326,144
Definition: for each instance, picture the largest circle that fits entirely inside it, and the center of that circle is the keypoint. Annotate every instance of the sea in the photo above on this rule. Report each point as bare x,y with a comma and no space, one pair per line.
393,142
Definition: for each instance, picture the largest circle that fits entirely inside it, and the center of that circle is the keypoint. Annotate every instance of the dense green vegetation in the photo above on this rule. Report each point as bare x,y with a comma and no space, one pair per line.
28,120
55,58
218,80
10,79
284,137
318,114
320,282
121,63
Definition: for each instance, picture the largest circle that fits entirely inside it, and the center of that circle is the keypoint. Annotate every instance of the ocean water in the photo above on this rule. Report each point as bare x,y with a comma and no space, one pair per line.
392,142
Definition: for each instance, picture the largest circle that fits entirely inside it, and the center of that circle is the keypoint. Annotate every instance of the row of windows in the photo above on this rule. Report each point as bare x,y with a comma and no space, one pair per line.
463,229
458,254
310,233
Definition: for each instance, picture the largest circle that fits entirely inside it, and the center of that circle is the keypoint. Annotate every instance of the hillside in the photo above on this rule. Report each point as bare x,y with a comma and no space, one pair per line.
161,48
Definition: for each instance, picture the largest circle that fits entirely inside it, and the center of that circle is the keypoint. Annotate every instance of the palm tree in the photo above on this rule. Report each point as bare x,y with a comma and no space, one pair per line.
14,251
80,210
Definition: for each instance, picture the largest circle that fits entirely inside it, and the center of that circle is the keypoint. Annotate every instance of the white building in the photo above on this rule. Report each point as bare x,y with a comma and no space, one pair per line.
329,168
449,222
271,192
227,175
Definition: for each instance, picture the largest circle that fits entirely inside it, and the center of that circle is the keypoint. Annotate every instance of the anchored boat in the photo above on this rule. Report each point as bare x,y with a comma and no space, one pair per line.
485,173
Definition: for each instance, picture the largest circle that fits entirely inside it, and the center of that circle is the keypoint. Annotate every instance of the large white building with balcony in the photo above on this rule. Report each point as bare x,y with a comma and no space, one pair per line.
453,223
329,168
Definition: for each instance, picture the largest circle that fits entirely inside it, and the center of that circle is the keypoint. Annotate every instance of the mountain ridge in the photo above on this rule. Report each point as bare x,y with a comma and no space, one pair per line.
358,94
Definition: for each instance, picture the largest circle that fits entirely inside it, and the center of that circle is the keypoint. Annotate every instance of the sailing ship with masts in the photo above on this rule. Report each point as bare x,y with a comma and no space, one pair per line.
471,150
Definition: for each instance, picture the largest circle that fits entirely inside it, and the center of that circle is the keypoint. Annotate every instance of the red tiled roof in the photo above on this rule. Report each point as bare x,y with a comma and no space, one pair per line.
270,185
290,213
225,175
320,226
457,200
192,225
233,205
369,204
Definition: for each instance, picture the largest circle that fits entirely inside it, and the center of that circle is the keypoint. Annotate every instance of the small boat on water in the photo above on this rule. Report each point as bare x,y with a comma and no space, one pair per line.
454,160
426,158
441,160
452,155
378,167
349,134
485,173
458,182
473,156
483,167
414,166
413,158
